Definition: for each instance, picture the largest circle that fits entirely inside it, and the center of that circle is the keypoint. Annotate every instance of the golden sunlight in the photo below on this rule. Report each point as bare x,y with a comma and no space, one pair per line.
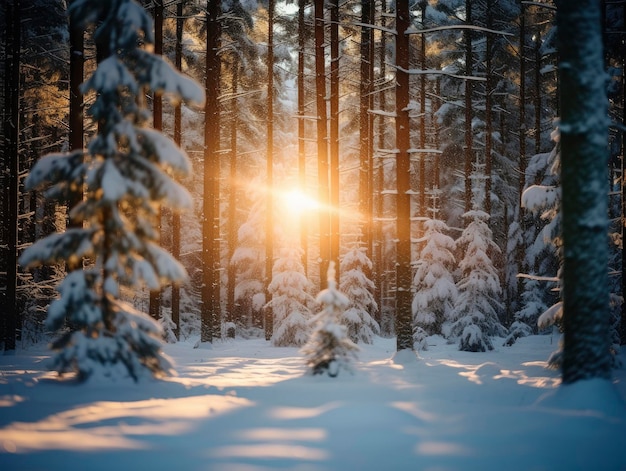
296,201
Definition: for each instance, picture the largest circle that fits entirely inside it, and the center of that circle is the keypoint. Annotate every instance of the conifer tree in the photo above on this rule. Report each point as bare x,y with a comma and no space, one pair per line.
329,349
126,169
359,289
436,292
479,288
290,300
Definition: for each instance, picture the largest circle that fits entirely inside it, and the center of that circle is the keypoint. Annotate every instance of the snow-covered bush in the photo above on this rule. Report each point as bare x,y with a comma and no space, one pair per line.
359,290
435,289
126,173
329,349
290,301
478,304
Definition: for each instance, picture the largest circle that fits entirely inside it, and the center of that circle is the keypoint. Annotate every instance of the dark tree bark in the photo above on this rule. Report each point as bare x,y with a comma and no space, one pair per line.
8,296
269,207
231,309
422,144
522,103
584,140
469,112
301,129
334,135
537,92
210,282
322,141
378,260
154,306
488,109
404,317
76,123
178,140
365,131
623,319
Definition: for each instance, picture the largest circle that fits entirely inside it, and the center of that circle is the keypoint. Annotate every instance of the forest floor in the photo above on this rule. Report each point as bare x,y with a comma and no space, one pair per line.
247,406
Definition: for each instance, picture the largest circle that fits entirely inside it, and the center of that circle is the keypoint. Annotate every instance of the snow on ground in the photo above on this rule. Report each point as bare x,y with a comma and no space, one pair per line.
245,405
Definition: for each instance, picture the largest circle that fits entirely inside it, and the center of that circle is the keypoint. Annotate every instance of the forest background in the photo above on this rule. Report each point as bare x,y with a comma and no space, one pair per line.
316,128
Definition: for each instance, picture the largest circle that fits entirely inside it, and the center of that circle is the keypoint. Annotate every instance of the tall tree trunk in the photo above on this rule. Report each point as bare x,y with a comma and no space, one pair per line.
232,310
584,140
210,288
365,89
623,319
378,259
422,144
404,317
269,207
538,92
334,136
488,109
178,140
10,315
76,123
469,112
154,307
301,129
322,141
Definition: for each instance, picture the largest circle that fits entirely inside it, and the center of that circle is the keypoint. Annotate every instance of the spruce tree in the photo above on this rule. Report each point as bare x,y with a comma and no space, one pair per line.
126,169
329,349
435,290
359,289
290,300
479,288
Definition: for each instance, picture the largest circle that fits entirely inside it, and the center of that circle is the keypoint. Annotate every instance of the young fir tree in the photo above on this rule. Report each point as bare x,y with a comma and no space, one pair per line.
543,202
329,349
478,304
126,172
435,290
358,288
249,262
290,300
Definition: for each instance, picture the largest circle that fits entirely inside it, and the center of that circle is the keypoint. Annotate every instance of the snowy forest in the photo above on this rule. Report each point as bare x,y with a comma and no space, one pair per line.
325,235
205,163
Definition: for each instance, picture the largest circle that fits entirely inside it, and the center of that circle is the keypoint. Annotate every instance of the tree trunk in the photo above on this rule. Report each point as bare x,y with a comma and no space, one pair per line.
584,140
232,199
538,93
154,307
379,265
76,123
301,130
404,317
334,135
469,112
210,288
488,109
178,140
269,207
322,141
365,88
422,144
10,315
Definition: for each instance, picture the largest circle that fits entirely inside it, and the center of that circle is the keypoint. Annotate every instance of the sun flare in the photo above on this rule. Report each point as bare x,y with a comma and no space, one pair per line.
297,201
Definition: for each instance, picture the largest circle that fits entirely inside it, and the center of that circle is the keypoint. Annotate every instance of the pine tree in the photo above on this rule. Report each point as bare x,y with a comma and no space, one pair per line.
359,289
435,290
479,288
126,170
290,300
329,350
